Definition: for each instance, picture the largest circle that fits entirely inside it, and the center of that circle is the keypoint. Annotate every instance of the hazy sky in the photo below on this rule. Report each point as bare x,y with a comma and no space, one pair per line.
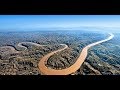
46,21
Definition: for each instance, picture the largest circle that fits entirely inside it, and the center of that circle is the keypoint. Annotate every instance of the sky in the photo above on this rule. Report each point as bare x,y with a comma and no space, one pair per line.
13,22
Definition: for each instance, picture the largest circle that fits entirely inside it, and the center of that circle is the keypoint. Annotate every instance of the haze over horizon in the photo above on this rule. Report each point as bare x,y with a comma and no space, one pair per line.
32,22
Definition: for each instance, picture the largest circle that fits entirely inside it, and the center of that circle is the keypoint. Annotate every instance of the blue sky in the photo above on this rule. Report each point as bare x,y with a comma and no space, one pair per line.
65,21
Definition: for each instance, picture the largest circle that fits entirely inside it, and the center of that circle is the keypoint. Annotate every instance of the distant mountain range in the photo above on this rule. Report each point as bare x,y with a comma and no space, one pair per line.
103,29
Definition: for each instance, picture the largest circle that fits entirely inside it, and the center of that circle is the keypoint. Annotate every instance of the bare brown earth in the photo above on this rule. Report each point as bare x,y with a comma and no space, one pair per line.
25,60
49,71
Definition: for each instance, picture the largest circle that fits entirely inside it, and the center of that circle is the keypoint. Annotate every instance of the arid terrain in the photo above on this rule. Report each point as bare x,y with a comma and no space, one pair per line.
21,52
